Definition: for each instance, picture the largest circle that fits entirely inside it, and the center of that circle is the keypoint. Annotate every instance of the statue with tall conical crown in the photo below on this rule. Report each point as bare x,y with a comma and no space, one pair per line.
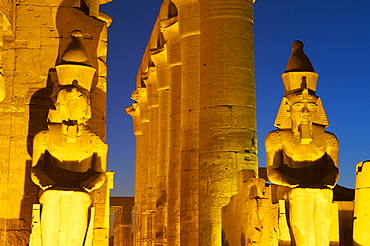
69,160
303,156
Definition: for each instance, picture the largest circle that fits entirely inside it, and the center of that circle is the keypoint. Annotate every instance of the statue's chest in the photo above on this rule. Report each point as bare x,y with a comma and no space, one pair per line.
65,149
304,152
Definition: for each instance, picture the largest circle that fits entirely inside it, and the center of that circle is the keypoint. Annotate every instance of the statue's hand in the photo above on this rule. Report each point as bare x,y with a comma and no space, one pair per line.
329,182
292,182
88,185
46,183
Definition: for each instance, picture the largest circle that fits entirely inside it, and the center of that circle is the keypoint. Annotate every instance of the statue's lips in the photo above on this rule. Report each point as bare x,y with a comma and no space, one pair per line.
306,120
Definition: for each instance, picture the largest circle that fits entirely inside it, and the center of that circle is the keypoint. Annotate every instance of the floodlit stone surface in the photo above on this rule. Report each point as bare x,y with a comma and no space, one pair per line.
194,119
250,218
310,215
33,38
6,34
302,155
69,161
122,207
361,222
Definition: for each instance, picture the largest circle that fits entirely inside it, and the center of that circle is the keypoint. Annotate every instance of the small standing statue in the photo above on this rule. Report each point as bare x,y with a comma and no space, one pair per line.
69,160
302,155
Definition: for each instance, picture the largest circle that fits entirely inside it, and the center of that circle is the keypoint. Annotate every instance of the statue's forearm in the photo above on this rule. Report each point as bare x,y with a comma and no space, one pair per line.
40,178
331,178
37,175
98,179
277,177
94,182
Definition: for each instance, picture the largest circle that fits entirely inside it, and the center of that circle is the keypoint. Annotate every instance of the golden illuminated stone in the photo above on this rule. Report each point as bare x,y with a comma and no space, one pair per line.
302,155
361,221
194,120
6,34
34,36
69,162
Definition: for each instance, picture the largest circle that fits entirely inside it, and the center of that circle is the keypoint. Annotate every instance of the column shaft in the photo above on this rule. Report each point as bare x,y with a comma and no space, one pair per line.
227,108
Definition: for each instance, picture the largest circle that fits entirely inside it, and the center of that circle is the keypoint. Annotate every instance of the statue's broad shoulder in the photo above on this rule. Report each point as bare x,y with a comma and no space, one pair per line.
274,139
54,139
331,140
284,139
41,139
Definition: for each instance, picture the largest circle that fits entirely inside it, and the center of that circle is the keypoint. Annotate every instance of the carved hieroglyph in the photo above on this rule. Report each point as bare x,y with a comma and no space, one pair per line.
302,155
69,160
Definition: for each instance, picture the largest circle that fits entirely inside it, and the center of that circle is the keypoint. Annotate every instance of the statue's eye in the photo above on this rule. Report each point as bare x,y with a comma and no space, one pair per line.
298,106
311,107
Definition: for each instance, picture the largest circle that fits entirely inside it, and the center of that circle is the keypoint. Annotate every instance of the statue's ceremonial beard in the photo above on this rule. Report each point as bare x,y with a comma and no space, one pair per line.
305,131
69,122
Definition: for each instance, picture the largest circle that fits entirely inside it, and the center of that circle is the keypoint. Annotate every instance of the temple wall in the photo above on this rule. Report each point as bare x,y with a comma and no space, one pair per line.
26,60
32,36
194,119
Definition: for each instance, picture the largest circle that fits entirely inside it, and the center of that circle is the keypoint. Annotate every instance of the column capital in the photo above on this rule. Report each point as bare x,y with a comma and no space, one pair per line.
159,55
179,3
169,27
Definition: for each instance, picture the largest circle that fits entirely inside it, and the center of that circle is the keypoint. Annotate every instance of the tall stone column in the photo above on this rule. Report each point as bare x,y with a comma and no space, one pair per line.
170,31
189,32
227,108
151,82
140,116
159,57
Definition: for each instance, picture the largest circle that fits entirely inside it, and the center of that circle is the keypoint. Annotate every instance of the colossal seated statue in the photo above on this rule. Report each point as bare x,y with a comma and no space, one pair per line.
69,160
302,155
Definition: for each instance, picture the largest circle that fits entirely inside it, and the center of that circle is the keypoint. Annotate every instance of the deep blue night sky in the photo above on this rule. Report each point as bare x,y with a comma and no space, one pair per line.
336,35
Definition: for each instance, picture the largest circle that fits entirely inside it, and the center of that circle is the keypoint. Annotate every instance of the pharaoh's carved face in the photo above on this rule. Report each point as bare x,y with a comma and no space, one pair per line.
303,112
73,105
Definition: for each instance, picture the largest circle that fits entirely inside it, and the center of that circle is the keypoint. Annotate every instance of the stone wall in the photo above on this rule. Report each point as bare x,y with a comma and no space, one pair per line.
33,35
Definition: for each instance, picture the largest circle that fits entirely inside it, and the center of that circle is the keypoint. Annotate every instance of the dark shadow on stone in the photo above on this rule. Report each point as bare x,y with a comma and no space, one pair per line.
242,239
284,243
341,193
97,121
262,173
172,10
40,104
224,241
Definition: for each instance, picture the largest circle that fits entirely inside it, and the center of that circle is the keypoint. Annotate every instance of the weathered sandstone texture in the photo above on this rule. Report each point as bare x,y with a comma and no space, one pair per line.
194,119
33,37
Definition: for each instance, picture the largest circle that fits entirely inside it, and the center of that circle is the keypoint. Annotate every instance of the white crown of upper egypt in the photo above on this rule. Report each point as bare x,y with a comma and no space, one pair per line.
75,64
300,82
74,69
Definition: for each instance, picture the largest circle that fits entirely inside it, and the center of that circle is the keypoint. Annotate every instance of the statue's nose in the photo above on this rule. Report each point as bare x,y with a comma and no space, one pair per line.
304,110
